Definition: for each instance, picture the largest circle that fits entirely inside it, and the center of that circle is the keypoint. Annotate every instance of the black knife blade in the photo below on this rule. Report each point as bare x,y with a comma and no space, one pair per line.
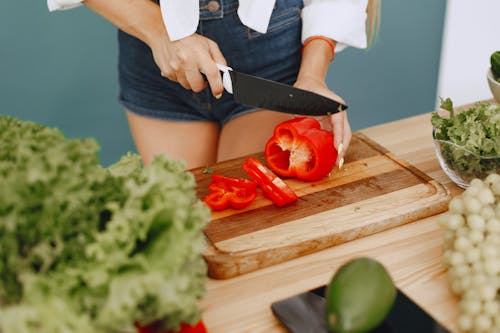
303,313
276,96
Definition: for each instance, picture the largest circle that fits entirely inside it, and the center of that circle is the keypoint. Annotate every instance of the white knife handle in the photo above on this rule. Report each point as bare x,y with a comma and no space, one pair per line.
226,78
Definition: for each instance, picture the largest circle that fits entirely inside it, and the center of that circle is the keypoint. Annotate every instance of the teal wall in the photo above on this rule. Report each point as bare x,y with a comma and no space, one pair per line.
60,69
397,77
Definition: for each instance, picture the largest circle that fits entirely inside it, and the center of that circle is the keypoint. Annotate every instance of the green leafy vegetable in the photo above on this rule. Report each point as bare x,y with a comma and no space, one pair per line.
207,171
90,249
447,104
495,65
471,139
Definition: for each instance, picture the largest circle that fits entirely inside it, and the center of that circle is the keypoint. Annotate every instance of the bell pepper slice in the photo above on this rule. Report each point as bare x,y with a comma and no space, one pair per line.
272,186
233,181
227,192
199,327
300,148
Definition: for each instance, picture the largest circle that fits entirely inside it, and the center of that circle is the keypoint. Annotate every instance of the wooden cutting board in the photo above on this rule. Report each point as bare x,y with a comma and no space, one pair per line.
373,191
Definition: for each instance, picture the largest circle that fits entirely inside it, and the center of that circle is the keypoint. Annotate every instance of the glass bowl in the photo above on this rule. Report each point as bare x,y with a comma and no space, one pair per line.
462,165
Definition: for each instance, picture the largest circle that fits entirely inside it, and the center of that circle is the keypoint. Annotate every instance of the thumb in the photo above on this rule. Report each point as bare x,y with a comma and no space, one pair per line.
337,122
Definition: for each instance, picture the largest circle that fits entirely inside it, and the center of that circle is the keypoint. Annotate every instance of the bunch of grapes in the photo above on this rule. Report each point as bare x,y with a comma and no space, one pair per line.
472,254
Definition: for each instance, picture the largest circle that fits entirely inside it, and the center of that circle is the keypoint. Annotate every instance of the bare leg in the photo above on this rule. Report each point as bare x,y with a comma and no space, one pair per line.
248,133
193,142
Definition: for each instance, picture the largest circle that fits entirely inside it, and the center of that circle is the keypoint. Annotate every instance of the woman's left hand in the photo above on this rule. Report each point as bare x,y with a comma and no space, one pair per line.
337,122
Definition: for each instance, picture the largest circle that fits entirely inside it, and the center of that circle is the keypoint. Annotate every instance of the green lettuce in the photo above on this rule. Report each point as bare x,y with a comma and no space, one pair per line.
90,249
471,138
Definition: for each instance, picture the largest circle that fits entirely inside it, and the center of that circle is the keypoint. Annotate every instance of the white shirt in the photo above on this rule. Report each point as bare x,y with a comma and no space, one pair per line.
340,20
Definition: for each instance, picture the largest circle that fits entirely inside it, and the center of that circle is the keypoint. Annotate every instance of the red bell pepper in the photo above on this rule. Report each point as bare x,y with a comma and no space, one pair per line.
185,328
226,192
300,148
272,186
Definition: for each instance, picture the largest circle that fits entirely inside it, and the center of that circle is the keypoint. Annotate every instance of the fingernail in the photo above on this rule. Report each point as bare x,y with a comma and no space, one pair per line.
218,96
339,150
341,163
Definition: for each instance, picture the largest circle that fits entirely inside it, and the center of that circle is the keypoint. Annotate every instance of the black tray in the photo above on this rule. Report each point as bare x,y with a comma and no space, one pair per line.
304,313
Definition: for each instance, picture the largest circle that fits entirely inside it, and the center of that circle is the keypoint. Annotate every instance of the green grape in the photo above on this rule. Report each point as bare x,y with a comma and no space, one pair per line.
471,253
487,292
476,222
457,205
485,196
492,308
462,244
487,212
476,236
472,205
493,225
465,322
482,323
455,221
472,307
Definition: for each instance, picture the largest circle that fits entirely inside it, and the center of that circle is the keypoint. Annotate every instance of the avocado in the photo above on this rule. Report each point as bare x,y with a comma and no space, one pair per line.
359,296
495,64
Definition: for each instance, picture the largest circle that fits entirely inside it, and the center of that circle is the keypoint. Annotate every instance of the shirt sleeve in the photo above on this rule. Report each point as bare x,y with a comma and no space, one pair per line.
63,4
341,20
180,17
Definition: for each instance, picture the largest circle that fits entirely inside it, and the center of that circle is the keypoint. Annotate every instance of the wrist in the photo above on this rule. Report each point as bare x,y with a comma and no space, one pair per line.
150,27
307,78
318,40
141,19
154,36
316,57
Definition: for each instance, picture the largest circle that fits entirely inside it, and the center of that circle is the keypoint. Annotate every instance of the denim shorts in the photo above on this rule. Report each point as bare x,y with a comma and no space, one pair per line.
274,55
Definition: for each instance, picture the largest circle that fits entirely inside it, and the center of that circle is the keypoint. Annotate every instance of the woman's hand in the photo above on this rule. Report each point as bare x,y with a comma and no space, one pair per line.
316,58
337,122
184,60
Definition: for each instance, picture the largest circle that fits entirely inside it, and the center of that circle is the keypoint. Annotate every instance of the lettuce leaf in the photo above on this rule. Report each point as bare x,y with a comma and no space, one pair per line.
90,249
472,136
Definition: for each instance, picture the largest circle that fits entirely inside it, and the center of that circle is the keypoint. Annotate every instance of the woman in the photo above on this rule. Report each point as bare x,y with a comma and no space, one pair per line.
165,45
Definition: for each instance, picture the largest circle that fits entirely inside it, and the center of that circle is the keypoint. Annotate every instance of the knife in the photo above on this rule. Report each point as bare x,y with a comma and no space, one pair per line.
304,313
276,96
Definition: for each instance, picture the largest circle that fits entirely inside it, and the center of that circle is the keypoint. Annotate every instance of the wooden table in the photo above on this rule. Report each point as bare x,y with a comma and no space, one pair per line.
412,254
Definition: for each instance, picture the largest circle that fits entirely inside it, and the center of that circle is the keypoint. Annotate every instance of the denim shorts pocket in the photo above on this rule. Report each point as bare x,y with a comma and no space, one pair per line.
279,21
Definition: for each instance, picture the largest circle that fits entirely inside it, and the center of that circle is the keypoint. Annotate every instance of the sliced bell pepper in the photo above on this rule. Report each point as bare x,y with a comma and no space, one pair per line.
233,181
272,186
300,148
227,192
185,328
197,328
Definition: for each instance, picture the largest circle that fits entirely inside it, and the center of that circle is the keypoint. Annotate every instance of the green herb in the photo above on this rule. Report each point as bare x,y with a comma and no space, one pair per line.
90,249
207,171
447,104
474,137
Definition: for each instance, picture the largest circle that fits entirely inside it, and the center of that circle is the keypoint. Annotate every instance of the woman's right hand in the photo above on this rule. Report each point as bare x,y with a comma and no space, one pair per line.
185,59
